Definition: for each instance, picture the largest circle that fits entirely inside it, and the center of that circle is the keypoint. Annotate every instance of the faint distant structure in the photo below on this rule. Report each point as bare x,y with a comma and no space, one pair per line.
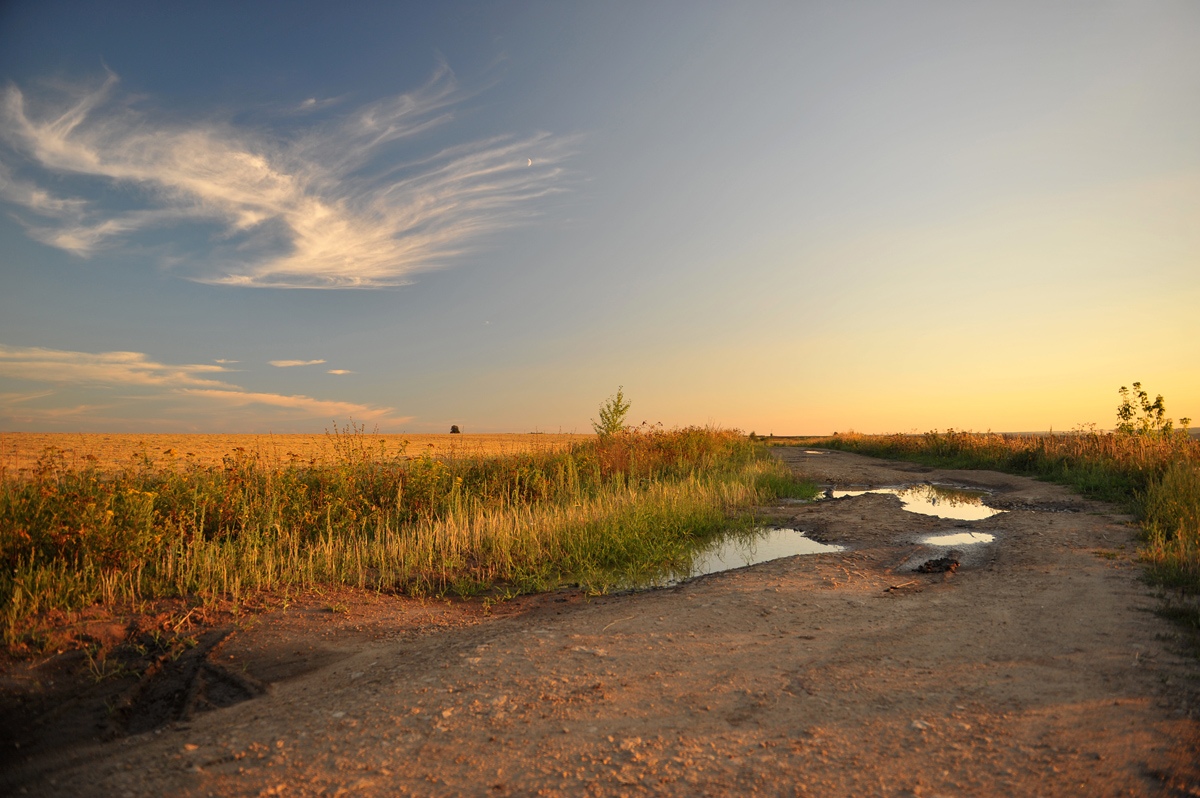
454,430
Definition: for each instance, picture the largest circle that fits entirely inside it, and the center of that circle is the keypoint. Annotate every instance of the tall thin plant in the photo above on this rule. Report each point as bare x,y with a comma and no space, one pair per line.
612,414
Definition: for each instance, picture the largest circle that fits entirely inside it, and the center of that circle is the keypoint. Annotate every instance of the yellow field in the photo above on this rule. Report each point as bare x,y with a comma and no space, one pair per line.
19,451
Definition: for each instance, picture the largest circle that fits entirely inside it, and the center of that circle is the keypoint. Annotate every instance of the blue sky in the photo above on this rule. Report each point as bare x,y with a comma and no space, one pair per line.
794,217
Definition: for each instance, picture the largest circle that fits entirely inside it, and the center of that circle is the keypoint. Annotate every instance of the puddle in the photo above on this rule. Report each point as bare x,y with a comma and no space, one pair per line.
941,501
738,551
810,451
764,546
958,539
955,547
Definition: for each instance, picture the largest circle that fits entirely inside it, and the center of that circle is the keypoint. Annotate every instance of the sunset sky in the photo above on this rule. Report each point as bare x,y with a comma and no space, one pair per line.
792,217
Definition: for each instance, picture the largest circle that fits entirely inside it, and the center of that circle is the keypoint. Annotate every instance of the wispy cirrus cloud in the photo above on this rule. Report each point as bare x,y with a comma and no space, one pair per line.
339,371
283,364
332,206
126,381
314,408
108,368
15,398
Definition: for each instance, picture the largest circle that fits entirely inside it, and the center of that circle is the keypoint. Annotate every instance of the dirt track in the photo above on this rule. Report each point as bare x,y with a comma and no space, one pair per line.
1037,670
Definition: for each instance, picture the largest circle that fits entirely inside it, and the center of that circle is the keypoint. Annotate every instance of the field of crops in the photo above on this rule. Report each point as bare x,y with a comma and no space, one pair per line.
20,451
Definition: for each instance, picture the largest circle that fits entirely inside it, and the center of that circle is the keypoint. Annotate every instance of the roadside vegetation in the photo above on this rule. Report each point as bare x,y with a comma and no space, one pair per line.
608,512
1146,465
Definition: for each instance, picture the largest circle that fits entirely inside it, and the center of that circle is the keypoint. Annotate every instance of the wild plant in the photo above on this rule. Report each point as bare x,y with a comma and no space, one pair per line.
612,414
593,514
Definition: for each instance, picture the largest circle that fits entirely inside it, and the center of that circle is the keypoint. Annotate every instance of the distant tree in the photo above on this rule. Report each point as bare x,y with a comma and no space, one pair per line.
612,414
454,429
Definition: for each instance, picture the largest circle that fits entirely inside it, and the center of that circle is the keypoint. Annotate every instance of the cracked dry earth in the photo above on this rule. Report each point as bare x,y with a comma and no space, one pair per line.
1037,668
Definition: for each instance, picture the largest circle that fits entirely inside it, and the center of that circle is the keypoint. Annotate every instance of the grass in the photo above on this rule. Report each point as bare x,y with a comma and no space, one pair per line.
1154,476
604,513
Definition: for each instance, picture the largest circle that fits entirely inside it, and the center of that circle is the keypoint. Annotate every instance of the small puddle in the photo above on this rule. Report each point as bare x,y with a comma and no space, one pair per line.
958,539
958,504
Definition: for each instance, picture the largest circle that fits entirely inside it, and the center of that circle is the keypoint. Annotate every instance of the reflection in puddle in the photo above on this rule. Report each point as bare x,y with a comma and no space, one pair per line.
958,539
764,546
810,451
738,551
936,500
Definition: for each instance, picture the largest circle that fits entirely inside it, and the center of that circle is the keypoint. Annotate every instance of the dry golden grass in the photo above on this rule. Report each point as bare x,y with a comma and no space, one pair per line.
608,511
19,451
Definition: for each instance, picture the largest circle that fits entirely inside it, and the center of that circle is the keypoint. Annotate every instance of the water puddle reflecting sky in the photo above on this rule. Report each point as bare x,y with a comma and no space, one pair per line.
739,551
763,546
958,539
936,500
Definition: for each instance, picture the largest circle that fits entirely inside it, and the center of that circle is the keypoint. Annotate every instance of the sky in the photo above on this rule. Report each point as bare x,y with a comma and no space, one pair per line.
788,218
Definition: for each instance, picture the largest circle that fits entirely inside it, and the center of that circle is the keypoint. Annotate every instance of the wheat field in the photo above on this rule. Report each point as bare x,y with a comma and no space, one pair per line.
20,451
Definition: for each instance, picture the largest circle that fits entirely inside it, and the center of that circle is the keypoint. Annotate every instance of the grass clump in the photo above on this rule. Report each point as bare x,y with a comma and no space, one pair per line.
602,514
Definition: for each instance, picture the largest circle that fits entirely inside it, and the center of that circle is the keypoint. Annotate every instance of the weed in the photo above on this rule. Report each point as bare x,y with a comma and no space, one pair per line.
101,668
598,514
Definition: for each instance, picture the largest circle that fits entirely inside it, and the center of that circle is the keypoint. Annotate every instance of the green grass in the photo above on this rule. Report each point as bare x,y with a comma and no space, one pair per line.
1156,477
607,513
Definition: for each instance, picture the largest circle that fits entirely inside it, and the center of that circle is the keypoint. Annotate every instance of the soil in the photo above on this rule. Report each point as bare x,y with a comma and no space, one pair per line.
1035,667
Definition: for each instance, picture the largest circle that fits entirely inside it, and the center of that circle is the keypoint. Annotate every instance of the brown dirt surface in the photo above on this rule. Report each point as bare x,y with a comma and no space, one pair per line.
20,451
1038,667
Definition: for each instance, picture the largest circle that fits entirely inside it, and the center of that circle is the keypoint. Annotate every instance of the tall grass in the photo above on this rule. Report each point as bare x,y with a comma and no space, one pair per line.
604,513
1155,476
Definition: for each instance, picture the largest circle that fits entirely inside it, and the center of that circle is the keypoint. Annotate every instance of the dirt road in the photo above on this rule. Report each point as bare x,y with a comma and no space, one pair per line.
1037,668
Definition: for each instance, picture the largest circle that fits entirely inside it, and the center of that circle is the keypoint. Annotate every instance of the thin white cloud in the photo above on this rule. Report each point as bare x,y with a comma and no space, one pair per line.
16,398
27,415
283,364
308,406
316,210
339,371
223,361
314,104
110,368
145,380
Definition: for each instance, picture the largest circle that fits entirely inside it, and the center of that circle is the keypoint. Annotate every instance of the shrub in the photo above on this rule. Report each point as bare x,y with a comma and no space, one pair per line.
612,414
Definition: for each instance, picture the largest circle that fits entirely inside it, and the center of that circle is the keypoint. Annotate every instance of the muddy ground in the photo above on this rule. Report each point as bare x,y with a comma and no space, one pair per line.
1037,667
